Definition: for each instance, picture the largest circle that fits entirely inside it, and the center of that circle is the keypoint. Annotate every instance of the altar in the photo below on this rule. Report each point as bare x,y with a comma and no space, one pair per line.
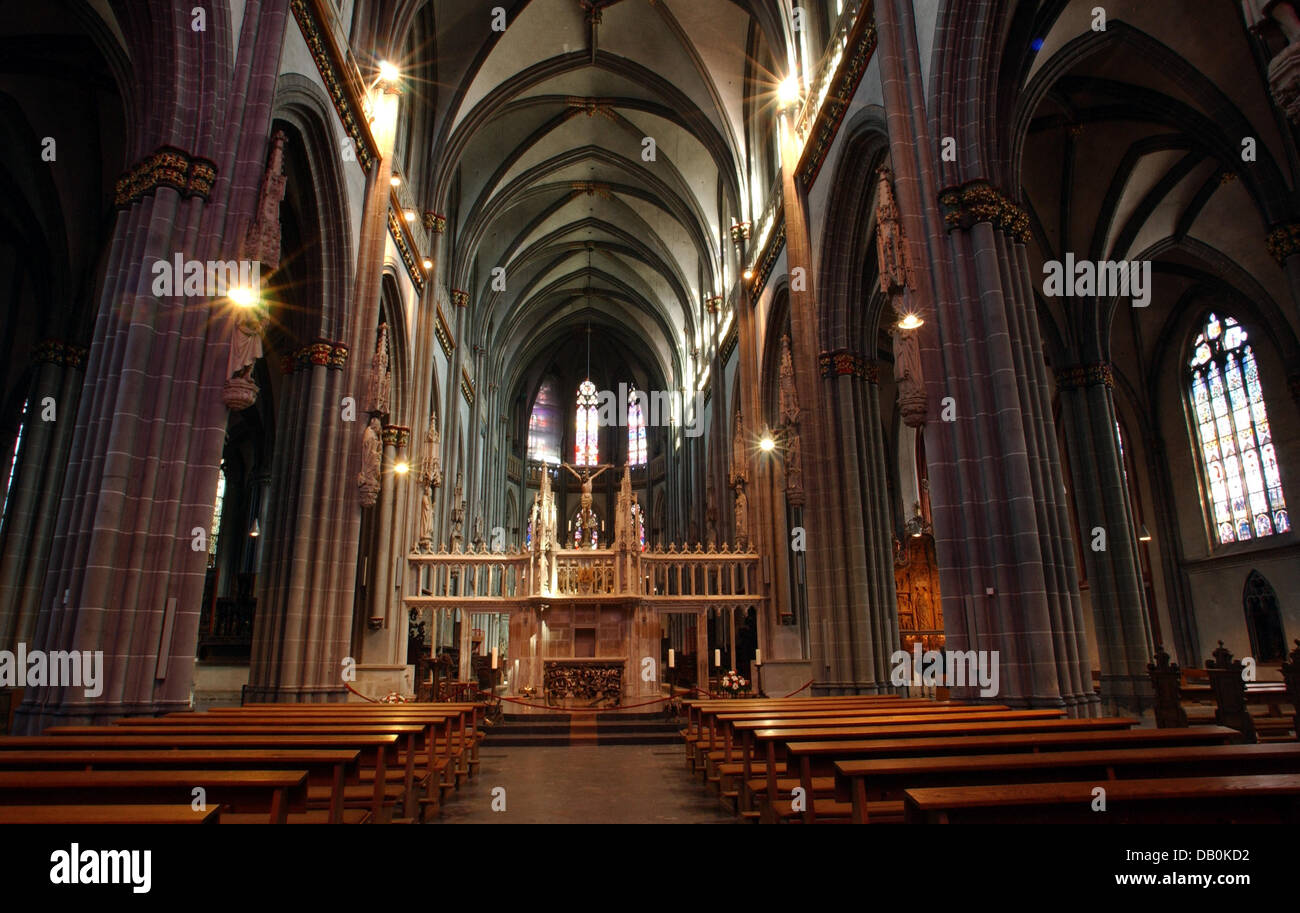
587,625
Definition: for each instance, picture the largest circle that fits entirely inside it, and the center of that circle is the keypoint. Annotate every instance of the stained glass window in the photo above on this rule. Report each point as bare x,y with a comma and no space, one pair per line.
635,430
13,463
586,443
545,425
219,503
1236,446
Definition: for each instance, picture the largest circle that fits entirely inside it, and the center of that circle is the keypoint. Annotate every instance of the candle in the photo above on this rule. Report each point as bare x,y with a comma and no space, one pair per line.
717,658
494,658
758,657
672,659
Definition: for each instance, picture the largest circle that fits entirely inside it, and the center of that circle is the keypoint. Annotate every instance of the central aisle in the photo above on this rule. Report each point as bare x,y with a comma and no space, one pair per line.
598,784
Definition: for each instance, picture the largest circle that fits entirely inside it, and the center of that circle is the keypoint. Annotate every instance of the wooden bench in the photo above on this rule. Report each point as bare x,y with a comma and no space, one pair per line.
107,814
771,742
378,752
445,759
723,723
863,782
816,760
327,769
267,796
701,727
701,712
403,792
1269,799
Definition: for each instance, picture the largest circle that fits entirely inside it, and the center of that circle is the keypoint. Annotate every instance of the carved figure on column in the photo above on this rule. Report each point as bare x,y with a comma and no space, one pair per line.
262,240
739,459
240,391
892,254
381,377
907,374
789,395
430,463
426,519
478,533
457,514
794,466
372,457
1284,68
742,518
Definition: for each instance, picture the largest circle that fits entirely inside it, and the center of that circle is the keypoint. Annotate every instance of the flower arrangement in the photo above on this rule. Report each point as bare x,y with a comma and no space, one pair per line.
733,683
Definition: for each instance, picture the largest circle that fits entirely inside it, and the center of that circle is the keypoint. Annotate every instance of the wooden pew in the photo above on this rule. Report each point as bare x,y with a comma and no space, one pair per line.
409,733
265,795
771,742
725,723
444,761
466,716
1267,799
378,752
699,713
327,769
434,757
862,782
107,814
816,759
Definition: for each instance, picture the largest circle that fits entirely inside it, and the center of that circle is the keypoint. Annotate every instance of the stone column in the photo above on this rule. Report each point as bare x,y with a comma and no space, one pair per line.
124,575
38,479
1002,533
1114,571
303,632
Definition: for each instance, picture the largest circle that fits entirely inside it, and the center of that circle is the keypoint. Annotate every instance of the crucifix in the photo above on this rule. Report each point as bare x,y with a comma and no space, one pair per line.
586,516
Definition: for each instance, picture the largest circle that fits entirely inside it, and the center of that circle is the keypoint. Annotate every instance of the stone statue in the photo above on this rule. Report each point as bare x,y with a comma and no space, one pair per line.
372,456
742,518
478,531
739,461
891,244
908,375
458,513
246,341
426,519
262,240
430,464
793,463
381,377
788,394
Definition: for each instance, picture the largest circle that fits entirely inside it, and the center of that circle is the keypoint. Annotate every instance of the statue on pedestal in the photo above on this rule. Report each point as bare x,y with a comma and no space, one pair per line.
742,518
381,377
372,457
457,514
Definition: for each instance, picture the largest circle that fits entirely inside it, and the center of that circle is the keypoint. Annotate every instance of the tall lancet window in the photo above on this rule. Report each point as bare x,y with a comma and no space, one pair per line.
587,443
635,430
1237,456
545,425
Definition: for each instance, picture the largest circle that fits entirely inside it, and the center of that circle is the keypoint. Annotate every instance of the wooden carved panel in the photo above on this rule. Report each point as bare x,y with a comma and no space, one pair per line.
916,578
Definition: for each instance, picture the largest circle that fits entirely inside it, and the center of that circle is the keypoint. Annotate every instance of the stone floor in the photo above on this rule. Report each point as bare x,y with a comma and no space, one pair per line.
605,784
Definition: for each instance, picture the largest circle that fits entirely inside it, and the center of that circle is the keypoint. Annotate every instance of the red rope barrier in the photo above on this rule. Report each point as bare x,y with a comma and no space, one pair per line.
801,688
364,697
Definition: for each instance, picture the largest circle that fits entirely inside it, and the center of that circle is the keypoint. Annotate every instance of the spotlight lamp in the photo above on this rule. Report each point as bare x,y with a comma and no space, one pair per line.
910,322
787,93
388,72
